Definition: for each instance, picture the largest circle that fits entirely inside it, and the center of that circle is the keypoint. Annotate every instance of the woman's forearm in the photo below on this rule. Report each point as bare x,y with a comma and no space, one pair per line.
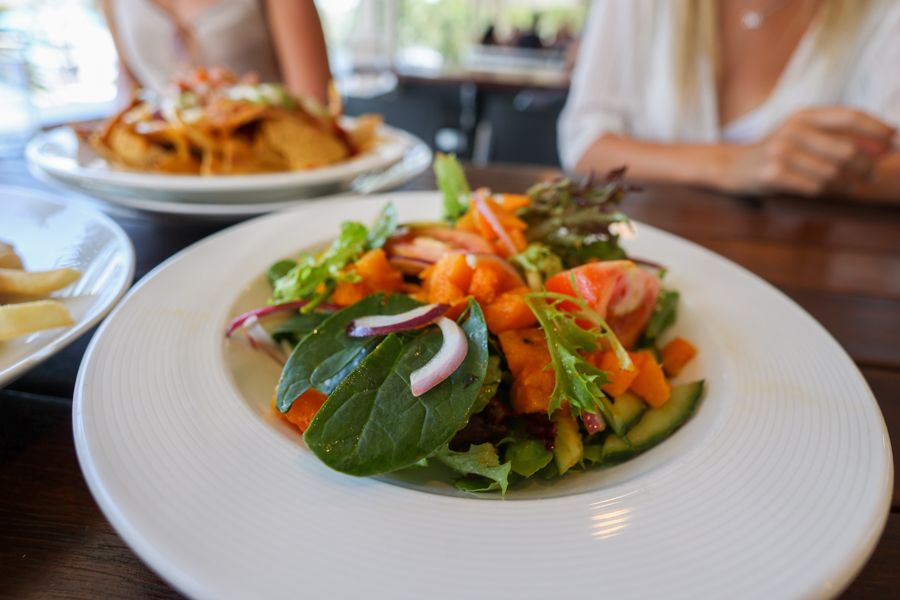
691,164
300,46
796,158
127,83
884,185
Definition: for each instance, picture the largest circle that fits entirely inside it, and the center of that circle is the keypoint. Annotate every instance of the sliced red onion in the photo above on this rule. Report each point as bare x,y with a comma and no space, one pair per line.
474,258
593,422
259,339
385,324
421,248
646,263
272,309
460,238
452,353
494,222
410,265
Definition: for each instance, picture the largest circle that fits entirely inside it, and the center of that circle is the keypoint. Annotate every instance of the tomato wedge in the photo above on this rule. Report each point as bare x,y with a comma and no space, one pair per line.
620,291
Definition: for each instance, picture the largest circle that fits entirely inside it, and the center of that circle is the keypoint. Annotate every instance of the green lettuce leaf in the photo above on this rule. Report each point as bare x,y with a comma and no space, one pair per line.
384,227
314,277
575,219
451,181
663,317
279,270
480,460
539,263
577,380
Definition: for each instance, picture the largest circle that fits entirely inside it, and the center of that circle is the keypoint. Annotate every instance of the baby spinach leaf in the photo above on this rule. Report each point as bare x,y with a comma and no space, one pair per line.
481,460
492,378
371,422
327,355
295,329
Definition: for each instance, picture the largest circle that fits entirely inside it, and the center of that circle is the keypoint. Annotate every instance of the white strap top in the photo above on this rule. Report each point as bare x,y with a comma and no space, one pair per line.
229,33
623,80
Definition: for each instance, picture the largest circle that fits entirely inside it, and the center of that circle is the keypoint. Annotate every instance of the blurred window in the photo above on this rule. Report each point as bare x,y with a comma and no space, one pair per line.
67,53
437,34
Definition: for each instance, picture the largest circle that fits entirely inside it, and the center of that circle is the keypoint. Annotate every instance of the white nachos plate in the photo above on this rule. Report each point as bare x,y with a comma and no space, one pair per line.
777,487
49,232
58,157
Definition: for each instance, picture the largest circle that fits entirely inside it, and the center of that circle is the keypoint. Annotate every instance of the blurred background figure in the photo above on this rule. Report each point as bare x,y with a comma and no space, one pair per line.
279,40
420,64
490,36
564,37
744,96
530,38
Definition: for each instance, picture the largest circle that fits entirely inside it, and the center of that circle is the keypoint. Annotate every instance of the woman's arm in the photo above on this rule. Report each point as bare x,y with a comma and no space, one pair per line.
691,164
813,151
884,184
300,47
127,83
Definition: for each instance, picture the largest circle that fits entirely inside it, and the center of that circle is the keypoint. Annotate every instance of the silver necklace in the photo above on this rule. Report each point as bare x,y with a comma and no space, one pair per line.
754,19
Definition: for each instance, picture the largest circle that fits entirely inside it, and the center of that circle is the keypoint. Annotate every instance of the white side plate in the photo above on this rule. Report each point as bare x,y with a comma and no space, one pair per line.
48,233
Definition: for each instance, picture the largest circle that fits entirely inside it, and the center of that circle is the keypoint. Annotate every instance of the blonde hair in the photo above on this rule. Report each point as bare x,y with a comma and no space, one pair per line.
697,36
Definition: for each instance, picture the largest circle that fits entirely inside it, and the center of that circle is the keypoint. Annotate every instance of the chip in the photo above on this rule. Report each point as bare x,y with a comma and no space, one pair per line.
35,283
28,317
227,126
8,257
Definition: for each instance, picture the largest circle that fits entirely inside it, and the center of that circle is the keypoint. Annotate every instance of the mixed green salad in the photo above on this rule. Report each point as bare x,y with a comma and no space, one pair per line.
513,339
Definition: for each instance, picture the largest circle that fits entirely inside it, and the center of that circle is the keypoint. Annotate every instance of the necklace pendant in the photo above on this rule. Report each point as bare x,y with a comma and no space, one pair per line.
751,19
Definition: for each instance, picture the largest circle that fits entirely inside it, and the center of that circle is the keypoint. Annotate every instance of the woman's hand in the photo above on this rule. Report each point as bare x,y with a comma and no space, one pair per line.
810,152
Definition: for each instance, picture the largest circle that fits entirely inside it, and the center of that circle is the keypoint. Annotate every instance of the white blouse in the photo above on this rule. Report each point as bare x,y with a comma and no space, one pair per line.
623,81
229,33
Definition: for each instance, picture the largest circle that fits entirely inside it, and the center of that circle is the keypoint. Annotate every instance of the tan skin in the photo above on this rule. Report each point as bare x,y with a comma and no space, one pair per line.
822,150
297,38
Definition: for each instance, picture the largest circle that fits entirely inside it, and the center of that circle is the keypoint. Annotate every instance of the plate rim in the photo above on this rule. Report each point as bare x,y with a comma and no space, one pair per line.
70,335
139,181
226,211
183,581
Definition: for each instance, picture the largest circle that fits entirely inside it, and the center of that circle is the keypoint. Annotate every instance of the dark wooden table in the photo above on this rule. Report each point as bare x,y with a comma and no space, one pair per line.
838,260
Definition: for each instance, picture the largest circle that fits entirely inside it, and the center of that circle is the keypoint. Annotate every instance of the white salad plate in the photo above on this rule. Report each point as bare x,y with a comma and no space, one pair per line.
48,233
778,486
57,156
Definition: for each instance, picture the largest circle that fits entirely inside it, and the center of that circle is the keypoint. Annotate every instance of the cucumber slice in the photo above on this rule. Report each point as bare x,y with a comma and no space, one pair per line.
593,453
655,425
627,410
527,457
568,448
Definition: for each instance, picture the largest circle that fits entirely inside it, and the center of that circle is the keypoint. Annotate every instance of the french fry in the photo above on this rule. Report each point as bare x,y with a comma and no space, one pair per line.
27,317
8,257
35,283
